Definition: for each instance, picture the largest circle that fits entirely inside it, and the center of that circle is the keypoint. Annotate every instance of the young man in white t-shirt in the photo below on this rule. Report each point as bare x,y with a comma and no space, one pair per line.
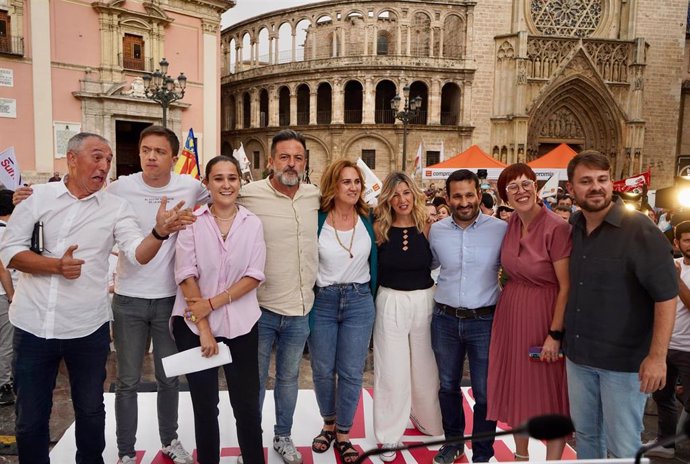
678,357
6,294
144,295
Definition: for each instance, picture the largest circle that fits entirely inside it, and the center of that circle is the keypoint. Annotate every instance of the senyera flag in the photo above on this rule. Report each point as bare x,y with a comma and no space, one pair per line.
633,184
188,162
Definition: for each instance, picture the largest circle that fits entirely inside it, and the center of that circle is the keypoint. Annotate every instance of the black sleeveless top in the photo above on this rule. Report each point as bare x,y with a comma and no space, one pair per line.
405,270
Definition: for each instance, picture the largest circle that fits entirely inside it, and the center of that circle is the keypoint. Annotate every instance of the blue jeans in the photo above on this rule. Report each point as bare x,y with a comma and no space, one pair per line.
134,320
607,408
451,339
343,318
36,361
289,335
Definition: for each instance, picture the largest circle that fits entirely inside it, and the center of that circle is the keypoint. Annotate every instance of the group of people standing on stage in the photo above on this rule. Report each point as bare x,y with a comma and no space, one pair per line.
275,264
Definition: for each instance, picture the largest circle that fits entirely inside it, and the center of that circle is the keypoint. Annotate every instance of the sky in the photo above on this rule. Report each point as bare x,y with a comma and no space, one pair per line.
246,9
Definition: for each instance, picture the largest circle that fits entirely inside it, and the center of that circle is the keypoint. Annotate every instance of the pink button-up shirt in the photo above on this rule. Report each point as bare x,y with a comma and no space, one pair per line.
216,264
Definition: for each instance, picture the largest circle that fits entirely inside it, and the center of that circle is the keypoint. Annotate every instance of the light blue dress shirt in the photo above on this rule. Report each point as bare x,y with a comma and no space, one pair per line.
469,260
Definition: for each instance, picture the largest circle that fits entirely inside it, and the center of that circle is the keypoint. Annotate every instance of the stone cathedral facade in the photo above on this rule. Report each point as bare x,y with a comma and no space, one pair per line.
516,77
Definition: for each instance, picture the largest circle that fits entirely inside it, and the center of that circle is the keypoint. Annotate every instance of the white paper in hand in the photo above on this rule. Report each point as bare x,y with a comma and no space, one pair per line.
192,361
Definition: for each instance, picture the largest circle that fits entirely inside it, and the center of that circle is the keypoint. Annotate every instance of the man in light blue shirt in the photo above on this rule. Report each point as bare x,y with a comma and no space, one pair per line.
467,246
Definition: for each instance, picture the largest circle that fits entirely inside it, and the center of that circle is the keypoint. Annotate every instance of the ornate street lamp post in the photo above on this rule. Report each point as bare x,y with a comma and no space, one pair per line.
161,88
409,112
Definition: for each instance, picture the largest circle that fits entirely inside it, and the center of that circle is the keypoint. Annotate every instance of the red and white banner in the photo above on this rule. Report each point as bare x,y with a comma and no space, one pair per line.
633,184
307,423
9,169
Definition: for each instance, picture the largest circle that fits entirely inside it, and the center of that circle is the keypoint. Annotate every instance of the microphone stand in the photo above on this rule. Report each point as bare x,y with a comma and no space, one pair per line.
667,441
451,441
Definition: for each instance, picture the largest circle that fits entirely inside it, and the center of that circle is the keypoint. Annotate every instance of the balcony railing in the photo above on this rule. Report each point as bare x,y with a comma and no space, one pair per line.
283,120
384,116
323,117
353,116
302,118
449,119
12,45
135,64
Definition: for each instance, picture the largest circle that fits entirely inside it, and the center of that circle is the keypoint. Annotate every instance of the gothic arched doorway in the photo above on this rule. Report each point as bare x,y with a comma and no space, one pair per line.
579,114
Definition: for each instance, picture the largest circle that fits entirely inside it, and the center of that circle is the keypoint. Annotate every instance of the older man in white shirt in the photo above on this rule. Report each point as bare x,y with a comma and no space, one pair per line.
61,307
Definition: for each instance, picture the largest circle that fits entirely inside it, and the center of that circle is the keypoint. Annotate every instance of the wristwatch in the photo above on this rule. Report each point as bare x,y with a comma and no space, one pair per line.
157,236
556,334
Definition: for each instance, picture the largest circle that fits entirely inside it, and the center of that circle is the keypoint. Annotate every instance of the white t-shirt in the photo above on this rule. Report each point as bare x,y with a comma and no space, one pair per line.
680,339
335,264
155,279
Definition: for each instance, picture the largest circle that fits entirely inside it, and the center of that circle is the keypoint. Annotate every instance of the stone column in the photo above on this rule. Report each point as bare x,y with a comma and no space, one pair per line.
337,110
256,113
434,104
368,103
273,106
293,107
312,105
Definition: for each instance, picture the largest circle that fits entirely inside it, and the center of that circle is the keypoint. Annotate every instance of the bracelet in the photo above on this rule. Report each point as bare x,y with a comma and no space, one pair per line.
157,236
211,304
227,292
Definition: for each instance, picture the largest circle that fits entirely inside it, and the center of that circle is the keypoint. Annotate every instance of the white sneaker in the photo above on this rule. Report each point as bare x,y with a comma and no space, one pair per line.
660,451
388,455
286,448
177,453
127,460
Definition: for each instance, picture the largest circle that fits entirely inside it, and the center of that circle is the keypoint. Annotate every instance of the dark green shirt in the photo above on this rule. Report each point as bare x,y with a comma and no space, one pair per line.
617,273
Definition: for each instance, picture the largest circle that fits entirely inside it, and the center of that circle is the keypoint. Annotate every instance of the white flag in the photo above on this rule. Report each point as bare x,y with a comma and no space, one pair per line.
240,155
372,184
550,188
9,169
418,162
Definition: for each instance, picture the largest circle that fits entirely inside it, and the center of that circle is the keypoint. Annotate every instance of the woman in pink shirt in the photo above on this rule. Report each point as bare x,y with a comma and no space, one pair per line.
219,263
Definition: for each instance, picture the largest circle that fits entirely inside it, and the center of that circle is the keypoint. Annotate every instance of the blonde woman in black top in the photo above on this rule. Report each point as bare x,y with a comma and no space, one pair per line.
405,375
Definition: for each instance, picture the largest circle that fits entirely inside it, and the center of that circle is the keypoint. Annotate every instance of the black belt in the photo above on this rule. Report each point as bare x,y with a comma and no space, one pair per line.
466,313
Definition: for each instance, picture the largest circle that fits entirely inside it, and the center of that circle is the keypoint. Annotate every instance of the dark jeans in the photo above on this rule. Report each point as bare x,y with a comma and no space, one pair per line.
451,339
36,361
677,366
242,376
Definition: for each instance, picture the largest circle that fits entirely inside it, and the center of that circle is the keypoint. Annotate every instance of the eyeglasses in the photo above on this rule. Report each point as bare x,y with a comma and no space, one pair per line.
527,185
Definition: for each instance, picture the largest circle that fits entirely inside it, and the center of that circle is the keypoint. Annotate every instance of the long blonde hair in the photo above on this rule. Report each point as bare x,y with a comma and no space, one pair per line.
384,210
329,182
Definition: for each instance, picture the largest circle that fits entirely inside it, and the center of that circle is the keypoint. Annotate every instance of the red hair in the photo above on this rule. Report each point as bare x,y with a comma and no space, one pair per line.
511,173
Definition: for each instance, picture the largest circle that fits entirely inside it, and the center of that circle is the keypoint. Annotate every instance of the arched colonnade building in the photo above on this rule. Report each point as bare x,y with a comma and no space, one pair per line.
516,77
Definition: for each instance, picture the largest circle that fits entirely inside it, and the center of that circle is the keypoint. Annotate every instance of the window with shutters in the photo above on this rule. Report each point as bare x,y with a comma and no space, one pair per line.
369,158
133,52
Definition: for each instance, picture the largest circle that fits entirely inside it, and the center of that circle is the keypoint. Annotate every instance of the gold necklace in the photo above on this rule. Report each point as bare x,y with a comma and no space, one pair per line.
223,219
352,238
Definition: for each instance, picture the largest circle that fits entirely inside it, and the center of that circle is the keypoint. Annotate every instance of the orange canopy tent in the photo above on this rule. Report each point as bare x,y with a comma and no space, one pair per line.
554,162
473,159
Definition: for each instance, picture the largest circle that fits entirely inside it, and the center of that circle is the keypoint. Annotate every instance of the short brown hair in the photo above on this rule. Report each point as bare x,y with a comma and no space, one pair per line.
590,158
163,132
511,173
329,182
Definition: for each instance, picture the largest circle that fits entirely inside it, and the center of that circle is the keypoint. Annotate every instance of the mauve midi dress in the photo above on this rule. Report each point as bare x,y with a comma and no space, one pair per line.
520,388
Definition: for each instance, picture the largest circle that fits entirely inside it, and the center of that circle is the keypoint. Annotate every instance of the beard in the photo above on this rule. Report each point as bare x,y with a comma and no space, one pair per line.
594,207
288,177
466,215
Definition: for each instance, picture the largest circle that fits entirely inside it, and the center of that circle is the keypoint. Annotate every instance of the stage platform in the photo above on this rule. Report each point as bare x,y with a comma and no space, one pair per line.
307,424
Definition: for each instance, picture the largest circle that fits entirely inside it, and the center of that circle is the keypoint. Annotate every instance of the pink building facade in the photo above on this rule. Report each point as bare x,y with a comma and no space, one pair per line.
70,66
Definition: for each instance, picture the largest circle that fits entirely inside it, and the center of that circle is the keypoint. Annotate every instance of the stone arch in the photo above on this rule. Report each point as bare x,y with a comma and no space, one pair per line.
420,30
251,145
454,30
324,102
385,91
420,88
580,113
385,45
318,156
353,92
351,150
263,45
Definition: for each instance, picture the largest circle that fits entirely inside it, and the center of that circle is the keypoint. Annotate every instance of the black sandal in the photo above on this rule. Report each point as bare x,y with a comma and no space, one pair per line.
322,442
348,453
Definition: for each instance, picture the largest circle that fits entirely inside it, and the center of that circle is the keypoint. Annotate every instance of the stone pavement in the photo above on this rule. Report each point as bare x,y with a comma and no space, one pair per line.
62,415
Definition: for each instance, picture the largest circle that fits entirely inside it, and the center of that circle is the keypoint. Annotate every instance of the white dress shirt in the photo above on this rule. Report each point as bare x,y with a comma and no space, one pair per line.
48,305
